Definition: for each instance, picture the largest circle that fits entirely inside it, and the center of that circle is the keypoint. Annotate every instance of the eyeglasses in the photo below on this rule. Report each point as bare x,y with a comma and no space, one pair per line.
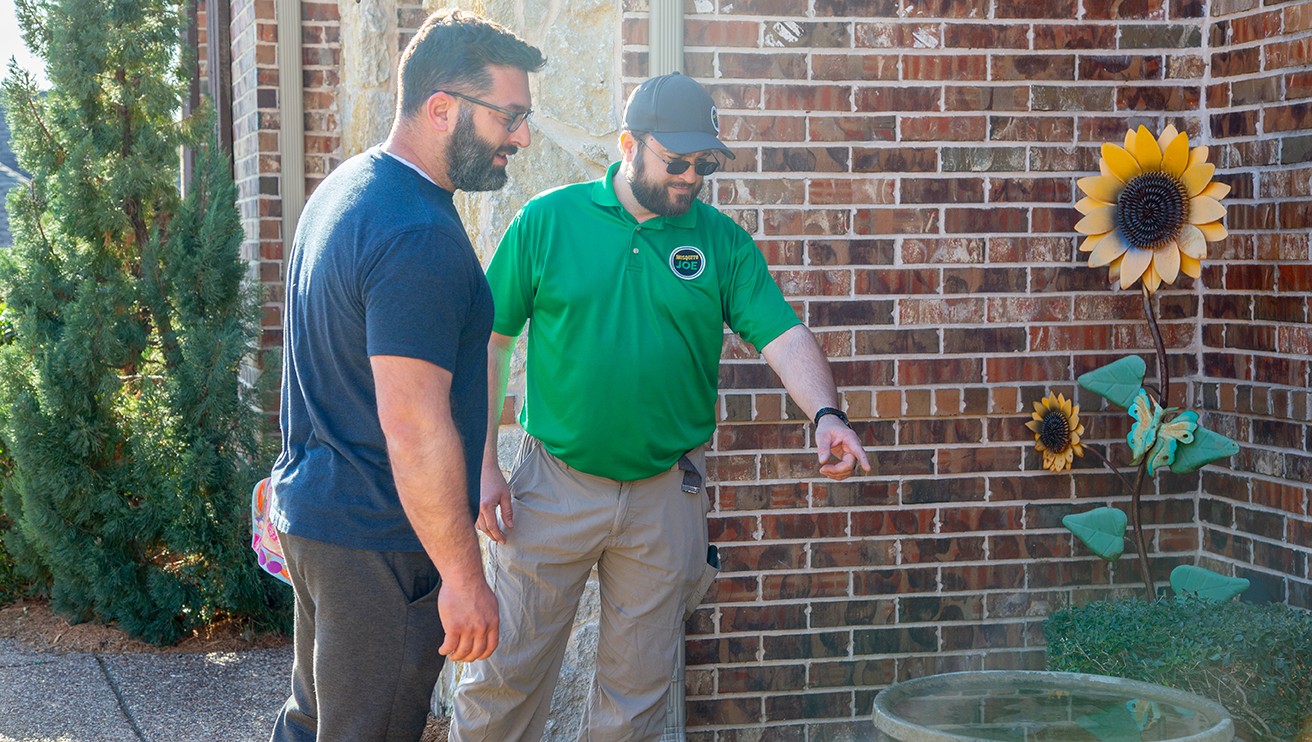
679,167
516,117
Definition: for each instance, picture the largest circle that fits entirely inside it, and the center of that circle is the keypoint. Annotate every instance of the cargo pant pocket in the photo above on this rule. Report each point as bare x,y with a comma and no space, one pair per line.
703,585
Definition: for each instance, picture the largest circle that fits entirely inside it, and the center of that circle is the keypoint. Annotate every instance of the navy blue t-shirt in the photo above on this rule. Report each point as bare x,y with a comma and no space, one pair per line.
381,265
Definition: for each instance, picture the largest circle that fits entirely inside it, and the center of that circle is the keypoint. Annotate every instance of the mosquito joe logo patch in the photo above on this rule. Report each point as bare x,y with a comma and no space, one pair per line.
715,119
687,262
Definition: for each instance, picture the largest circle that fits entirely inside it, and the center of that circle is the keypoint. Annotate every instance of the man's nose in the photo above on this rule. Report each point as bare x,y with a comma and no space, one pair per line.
521,137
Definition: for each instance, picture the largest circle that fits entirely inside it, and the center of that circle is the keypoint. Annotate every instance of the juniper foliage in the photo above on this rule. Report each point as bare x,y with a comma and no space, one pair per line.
132,450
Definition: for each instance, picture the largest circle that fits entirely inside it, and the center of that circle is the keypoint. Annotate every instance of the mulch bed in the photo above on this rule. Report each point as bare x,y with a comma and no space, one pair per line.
32,624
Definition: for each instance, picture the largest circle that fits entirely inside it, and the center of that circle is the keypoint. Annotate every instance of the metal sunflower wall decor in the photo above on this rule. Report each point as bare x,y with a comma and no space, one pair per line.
1152,211
1148,217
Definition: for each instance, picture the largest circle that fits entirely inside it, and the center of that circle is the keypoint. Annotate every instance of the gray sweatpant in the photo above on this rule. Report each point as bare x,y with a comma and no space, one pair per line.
648,541
367,635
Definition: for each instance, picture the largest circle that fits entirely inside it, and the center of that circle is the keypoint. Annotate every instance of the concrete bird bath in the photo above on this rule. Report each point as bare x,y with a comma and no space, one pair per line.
1045,707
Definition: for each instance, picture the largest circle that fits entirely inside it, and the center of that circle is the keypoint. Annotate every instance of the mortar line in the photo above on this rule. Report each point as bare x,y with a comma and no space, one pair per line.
122,704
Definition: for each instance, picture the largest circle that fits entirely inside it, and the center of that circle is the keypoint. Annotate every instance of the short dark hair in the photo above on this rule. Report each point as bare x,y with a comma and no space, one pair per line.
453,50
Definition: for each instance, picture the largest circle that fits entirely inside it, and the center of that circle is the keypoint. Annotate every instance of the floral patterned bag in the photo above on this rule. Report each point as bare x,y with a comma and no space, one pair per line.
264,540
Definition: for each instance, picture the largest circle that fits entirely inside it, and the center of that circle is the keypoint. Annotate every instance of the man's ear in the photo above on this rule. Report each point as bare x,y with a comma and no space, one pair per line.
440,111
628,146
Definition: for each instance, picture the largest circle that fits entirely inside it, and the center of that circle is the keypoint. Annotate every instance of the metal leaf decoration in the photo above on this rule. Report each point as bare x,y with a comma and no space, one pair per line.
1116,382
1205,448
1101,529
1187,579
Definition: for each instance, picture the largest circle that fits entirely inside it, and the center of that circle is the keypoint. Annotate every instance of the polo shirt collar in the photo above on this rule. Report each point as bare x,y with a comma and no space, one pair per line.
603,194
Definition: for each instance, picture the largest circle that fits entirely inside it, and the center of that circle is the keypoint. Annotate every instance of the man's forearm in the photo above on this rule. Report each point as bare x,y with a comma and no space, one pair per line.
428,466
428,462
803,368
499,348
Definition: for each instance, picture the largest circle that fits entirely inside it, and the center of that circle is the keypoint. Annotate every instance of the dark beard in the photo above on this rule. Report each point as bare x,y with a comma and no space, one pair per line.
469,159
655,197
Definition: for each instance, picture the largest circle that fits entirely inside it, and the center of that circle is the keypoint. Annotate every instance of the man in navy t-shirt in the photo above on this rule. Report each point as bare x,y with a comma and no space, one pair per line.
384,396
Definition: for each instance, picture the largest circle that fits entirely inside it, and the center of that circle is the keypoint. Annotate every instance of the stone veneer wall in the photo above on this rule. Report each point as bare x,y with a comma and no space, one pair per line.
908,169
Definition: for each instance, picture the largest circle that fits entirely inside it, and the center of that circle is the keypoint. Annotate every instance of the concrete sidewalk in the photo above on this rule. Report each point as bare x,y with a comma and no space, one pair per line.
216,697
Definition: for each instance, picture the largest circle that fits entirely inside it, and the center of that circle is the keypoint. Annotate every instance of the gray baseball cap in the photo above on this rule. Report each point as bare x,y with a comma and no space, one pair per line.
678,112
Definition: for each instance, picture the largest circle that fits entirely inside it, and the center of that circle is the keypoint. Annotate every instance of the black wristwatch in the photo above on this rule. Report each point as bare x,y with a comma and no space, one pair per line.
831,411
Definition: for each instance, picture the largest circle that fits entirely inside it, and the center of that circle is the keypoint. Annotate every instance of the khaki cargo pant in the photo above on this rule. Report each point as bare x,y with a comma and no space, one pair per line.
648,540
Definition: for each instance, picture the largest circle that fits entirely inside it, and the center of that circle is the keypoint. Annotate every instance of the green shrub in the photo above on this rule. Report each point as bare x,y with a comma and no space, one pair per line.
130,445
1256,660
12,587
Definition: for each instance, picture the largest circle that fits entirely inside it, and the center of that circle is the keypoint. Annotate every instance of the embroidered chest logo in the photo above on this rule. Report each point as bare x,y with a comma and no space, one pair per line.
687,262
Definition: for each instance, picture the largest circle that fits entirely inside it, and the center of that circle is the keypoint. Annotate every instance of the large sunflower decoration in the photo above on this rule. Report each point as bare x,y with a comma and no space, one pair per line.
1057,430
1152,211
1147,218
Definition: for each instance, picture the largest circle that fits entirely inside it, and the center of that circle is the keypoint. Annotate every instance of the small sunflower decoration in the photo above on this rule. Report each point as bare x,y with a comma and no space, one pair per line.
1152,211
1057,430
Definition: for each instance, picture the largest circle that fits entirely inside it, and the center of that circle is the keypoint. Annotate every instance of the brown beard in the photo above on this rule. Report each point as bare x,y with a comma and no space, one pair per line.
470,160
654,196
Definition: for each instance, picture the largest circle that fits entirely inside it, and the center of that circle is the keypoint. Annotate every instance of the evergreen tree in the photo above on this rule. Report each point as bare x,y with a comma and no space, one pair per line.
132,449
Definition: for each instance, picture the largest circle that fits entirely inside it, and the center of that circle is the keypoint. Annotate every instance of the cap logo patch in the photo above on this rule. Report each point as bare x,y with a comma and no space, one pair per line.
687,262
715,119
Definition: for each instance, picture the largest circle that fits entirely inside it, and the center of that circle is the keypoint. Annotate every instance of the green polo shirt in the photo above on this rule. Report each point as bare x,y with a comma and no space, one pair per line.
627,323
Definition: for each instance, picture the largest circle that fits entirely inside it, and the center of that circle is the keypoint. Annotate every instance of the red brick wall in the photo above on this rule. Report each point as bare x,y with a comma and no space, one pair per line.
256,160
1256,340
321,57
257,123
909,170
202,41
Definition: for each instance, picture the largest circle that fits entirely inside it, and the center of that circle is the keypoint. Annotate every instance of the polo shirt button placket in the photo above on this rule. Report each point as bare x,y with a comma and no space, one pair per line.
635,263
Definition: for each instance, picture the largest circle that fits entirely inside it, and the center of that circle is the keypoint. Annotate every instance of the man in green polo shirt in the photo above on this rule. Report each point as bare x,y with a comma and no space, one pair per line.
629,281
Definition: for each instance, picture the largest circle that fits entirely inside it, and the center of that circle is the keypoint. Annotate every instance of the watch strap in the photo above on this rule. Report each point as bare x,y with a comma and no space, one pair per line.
831,411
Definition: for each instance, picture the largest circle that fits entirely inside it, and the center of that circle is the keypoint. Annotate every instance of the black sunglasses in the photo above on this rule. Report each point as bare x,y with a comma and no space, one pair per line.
516,117
679,167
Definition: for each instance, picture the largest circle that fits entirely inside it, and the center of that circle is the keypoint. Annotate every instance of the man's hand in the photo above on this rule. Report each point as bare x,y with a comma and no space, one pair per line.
796,357
494,493
469,619
834,439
